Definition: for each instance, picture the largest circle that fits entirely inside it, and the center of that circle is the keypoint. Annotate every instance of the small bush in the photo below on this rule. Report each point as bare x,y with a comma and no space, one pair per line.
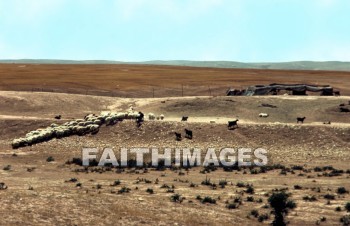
250,190
116,183
347,206
232,206
7,168
263,217
291,204
176,198
345,220
124,190
341,190
240,184
329,197
254,213
338,209
208,199
310,198
297,187
50,159
150,190
222,183
250,199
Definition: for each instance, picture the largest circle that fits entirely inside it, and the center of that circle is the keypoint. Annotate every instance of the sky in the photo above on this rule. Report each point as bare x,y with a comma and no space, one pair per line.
142,30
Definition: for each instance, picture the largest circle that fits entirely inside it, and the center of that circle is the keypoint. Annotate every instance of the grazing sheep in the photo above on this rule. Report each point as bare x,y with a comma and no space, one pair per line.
344,109
188,134
264,115
301,119
178,136
58,117
232,124
3,186
151,116
161,117
184,118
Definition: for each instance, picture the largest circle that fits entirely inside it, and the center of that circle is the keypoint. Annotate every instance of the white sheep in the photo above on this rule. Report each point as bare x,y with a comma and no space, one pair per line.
161,117
264,115
151,116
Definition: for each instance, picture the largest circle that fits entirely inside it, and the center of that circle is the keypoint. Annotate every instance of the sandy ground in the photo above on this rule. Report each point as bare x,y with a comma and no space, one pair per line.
37,193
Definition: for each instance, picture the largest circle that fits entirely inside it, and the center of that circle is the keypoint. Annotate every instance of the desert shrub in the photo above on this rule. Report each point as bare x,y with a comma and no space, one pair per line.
250,190
240,184
250,199
347,206
176,198
341,190
280,203
7,168
150,190
329,196
124,190
310,198
165,186
222,183
345,220
192,185
263,217
297,187
116,183
237,200
208,199
296,167
50,159
232,205
338,209
254,213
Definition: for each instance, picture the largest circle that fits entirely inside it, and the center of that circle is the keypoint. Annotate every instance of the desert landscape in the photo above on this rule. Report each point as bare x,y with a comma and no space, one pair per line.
45,184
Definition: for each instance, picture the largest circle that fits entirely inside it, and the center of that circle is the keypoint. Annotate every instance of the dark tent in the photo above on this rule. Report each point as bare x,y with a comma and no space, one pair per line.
296,89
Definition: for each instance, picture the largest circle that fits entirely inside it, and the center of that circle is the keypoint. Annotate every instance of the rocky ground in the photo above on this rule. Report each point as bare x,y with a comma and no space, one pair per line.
44,192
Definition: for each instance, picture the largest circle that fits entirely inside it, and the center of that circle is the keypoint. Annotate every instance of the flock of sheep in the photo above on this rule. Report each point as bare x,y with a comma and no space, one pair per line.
89,125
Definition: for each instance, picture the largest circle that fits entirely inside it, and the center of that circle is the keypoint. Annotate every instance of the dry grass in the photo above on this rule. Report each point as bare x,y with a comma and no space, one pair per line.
139,80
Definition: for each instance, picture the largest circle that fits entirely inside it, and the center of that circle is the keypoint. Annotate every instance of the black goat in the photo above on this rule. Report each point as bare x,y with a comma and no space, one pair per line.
58,117
188,134
301,119
184,118
140,119
178,136
336,93
344,109
232,124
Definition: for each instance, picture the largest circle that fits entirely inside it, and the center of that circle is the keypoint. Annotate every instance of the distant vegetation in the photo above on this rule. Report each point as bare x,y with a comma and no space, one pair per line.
294,65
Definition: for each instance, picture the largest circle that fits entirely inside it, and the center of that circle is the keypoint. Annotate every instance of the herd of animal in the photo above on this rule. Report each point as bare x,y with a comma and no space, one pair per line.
91,124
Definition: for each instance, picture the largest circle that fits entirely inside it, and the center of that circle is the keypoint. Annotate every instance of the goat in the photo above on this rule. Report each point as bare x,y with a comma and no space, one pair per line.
301,119
264,115
178,136
3,186
232,124
344,109
189,134
184,118
58,117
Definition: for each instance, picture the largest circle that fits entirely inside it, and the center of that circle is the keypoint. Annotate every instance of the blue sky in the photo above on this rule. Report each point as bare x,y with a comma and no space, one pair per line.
140,30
